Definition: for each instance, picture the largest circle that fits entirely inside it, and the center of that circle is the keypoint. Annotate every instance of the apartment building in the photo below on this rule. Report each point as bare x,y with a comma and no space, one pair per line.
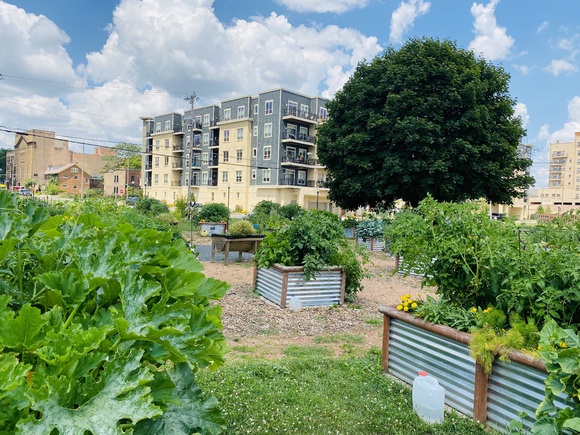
38,151
563,191
240,152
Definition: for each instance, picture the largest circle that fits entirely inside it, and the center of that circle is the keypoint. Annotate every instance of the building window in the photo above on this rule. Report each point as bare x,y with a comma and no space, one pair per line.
158,127
115,178
64,176
165,178
75,177
301,178
323,113
226,135
156,161
226,156
240,134
225,176
267,152
197,140
206,138
268,130
254,152
227,114
303,133
166,143
166,161
167,125
238,176
253,174
206,120
212,196
304,110
204,178
188,141
239,155
269,107
204,158
156,144
292,108
255,131
75,187
255,109
156,179
74,169
241,112
266,175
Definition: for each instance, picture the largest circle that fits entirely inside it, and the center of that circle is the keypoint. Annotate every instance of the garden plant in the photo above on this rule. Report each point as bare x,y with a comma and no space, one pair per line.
512,286
104,325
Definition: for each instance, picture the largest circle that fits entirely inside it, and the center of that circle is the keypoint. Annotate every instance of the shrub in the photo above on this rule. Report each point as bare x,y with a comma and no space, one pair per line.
214,213
266,215
241,228
290,211
167,218
370,228
151,206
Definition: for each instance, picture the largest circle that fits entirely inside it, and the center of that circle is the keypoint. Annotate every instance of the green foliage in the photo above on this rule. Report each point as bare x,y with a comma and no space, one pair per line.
445,312
349,222
181,206
241,228
290,211
560,348
127,156
214,213
151,206
103,324
314,240
370,228
167,218
30,183
266,215
429,118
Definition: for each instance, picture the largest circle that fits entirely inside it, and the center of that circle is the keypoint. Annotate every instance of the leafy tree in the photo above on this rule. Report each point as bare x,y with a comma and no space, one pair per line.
30,183
3,152
428,119
151,206
128,156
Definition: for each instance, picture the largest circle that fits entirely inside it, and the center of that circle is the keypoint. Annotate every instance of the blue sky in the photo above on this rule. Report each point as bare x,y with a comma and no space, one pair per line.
90,68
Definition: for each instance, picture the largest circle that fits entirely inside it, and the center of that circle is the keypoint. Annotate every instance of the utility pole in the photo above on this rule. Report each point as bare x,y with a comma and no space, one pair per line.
192,99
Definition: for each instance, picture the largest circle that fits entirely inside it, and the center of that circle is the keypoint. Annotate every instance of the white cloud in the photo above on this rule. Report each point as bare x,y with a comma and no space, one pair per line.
524,69
566,133
491,40
164,48
561,66
543,26
403,18
323,6
521,111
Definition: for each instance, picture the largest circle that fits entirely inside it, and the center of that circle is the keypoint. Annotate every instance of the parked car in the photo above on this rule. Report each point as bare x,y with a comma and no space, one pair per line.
25,192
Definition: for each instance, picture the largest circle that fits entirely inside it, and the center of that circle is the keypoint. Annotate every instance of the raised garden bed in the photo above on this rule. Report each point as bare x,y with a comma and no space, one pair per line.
373,244
279,283
410,345
225,244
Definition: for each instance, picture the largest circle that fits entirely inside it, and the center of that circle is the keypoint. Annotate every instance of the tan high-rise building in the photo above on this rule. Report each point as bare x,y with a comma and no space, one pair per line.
563,191
244,151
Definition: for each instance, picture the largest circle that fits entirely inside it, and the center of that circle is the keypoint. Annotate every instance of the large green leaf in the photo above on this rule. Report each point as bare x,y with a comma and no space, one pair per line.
70,284
124,396
25,330
193,415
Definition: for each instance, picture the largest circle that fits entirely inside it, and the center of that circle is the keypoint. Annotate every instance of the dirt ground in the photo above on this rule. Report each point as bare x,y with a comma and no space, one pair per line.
255,327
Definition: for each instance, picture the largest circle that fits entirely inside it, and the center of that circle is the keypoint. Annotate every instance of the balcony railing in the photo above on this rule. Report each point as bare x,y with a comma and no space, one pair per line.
302,114
299,161
214,142
177,148
212,183
191,125
213,161
298,137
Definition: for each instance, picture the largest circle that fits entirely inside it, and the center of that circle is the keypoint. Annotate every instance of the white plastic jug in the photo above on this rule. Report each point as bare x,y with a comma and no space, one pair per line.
428,398
295,304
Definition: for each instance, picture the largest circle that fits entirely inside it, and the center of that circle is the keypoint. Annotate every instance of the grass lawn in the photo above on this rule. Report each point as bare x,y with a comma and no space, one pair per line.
309,392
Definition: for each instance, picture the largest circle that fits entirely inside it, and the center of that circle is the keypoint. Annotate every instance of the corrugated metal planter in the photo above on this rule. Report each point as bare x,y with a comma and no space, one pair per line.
279,283
372,243
410,345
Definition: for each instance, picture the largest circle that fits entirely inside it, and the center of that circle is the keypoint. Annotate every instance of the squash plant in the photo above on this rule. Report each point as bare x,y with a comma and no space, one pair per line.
103,327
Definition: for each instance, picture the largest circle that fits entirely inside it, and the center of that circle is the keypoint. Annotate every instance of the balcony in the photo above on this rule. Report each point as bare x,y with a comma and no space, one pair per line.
297,161
300,138
214,142
214,161
177,148
212,183
148,166
190,124
177,165
302,115
149,148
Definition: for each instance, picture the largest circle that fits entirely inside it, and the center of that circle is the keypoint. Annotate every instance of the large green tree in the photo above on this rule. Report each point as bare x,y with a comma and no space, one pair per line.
128,156
429,118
